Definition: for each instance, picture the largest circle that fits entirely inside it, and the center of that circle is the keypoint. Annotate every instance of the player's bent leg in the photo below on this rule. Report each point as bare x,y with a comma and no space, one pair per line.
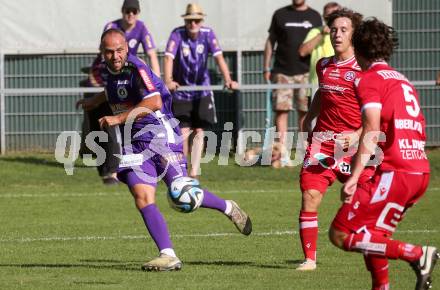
144,195
337,237
239,217
377,265
308,228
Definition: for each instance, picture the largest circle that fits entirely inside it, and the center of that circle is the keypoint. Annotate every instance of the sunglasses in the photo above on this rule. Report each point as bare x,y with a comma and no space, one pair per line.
131,10
196,21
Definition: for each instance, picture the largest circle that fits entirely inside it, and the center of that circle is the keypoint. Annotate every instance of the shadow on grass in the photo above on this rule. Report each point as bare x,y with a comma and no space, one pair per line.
238,264
108,264
294,261
130,266
37,161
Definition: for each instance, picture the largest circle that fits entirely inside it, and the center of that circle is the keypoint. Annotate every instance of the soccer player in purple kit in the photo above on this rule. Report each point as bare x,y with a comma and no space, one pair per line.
132,88
136,34
185,63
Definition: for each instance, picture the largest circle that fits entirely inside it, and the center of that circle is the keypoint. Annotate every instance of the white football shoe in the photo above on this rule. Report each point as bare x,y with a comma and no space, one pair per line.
307,265
163,263
240,219
424,266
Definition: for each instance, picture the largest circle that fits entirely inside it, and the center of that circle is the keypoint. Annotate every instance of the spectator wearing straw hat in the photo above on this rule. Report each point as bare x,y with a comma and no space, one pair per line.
186,63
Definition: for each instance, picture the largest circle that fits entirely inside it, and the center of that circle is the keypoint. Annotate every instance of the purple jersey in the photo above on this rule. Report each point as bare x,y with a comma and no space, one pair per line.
134,83
139,34
190,67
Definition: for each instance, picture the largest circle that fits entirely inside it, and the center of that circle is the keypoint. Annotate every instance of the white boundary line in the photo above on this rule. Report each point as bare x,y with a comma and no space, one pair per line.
122,193
178,236
126,193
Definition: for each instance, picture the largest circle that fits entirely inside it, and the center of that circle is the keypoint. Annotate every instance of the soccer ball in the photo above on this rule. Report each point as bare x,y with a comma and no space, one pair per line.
185,194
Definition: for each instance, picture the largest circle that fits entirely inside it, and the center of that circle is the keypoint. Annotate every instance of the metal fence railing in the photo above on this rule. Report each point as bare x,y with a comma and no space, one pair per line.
33,118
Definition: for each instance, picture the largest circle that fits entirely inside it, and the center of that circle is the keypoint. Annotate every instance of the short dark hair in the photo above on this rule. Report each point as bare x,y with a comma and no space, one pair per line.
374,40
355,17
330,5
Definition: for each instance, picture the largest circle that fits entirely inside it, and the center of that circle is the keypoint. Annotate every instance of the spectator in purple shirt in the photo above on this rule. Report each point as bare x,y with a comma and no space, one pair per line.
152,142
136,32
185,63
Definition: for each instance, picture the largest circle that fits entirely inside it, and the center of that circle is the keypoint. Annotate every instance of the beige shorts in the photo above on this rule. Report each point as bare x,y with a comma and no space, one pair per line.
287,99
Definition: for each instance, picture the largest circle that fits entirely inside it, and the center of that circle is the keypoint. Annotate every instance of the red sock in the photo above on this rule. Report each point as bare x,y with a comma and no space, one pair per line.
377,245
308,232
378,267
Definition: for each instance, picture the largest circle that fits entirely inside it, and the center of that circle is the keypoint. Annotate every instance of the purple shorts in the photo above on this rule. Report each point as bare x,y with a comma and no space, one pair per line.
147,163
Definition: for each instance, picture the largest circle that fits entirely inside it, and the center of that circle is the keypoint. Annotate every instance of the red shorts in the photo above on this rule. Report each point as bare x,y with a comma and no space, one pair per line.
379,204
321,170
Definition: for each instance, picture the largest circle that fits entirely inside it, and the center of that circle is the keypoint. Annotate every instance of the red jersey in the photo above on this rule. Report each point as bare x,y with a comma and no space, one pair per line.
402,120
340,111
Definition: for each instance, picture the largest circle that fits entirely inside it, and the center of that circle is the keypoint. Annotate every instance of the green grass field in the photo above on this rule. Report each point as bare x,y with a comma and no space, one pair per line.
71,232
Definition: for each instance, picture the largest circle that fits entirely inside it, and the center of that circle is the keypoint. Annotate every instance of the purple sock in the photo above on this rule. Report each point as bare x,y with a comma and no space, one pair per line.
156,226
213,201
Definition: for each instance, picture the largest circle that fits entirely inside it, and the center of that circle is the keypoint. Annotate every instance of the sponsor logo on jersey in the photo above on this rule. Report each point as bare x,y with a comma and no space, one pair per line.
200,48
122,92
185,50
306,24
408,124
332,88
122,82
132,43
349,76
334,74
147,80
120,108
